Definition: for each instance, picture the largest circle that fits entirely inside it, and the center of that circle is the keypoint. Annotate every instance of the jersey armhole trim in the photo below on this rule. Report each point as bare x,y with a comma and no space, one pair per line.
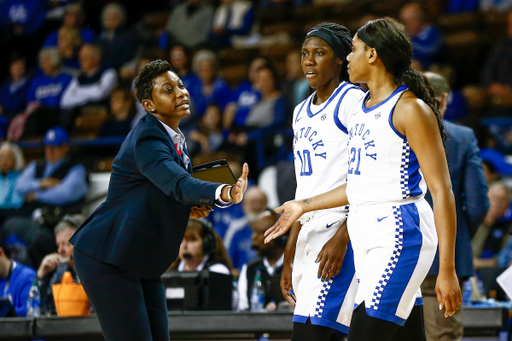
336,116
390,120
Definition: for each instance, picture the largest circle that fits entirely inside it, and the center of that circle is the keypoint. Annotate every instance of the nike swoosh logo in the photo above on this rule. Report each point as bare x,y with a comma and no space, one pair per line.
329,225
381,219
298,119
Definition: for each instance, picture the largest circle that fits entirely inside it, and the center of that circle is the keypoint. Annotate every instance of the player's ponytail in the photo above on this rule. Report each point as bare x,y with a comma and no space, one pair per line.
420,86
394,49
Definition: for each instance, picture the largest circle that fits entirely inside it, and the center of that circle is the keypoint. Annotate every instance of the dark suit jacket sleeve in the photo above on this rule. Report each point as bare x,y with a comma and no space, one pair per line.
475,185
155,160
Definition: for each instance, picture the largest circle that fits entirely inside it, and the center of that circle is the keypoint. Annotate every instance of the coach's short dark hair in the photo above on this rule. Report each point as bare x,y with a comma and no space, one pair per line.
144,80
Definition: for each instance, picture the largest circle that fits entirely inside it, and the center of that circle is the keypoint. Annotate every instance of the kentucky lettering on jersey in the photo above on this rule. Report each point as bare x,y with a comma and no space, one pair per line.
382,166
320,141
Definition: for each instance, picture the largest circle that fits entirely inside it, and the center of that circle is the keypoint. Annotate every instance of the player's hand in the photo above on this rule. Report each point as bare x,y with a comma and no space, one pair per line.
332,254
292,211
286,284
448,292
238,190
200,211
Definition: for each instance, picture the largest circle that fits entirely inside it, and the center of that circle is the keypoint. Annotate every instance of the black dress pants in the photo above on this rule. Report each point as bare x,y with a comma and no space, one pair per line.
128,307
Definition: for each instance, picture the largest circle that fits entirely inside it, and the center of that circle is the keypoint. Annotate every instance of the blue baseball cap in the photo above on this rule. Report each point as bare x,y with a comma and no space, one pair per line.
56,136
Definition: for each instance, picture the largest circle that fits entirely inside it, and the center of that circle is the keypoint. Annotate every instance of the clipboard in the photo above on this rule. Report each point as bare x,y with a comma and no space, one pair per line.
215,171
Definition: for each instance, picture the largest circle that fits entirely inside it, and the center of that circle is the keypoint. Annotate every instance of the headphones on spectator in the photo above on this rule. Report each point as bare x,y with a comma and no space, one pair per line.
207,235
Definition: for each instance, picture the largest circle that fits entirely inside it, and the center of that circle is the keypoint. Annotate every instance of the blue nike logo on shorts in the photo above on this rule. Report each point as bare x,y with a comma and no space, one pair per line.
381,219
329,225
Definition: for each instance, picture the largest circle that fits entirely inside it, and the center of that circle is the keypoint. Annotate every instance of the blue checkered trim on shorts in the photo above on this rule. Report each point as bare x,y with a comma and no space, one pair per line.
404,171
320,304
399,244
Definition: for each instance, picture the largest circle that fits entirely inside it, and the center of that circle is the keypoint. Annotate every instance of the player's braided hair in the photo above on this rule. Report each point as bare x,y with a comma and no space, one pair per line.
394,49
345,38
144,80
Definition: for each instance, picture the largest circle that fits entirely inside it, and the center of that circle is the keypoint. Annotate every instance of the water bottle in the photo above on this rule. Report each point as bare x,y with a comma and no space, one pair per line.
257,294
234,296
33,301
466,294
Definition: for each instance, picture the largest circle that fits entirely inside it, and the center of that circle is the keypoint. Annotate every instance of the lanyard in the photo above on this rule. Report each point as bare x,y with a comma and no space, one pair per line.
8,279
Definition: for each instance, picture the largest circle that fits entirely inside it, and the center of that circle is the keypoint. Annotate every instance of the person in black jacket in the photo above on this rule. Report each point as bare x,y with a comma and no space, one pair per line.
124,247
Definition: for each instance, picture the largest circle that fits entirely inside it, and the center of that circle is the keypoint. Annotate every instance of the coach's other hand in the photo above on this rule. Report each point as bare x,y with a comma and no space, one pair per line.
200,211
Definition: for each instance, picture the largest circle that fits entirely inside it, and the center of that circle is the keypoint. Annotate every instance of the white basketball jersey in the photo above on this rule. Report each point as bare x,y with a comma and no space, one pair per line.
382,165
320,141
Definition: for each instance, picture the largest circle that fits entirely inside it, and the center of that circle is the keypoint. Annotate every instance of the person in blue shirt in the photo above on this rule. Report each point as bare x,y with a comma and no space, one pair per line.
180,58
13,93
44,94
55,180
427,41
245,96
11,164
15,281
73,17
213,88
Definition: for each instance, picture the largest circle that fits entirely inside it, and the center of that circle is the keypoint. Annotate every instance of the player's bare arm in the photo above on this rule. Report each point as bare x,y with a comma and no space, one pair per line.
415,120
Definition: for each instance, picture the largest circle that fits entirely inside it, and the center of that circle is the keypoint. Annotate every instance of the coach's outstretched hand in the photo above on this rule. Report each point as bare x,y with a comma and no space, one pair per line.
292,211
237,190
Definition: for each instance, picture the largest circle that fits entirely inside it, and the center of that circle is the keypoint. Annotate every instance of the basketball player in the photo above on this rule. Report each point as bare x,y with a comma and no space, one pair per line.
396,149
323,301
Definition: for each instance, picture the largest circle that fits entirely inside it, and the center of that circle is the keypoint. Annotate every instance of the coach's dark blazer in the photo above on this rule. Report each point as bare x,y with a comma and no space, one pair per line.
470,191
140,226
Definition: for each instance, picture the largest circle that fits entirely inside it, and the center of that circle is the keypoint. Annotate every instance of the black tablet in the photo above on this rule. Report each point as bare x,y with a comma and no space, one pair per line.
215,171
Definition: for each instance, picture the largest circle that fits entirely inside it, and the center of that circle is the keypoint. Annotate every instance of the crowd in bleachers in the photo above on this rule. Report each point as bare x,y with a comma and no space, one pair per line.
67,72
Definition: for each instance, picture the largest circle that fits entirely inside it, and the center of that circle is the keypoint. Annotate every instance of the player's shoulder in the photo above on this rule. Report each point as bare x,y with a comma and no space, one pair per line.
354,93
411,104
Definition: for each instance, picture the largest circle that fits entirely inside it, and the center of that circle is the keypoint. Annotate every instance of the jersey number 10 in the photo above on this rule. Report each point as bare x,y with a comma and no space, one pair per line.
305,163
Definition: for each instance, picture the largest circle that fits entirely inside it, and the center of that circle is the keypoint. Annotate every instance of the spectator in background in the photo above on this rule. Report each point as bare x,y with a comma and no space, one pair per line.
265,119
202,248
122,111
73,17
499,5
208,136
269,262
55,182
13,93
119,45
54,265
497,71
232,18
91,86
213,88
427,41
180,58
11,164
471,202
189,23
493,234
245,96
237,238
15,281
69,42
456,106
295,86
43,98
